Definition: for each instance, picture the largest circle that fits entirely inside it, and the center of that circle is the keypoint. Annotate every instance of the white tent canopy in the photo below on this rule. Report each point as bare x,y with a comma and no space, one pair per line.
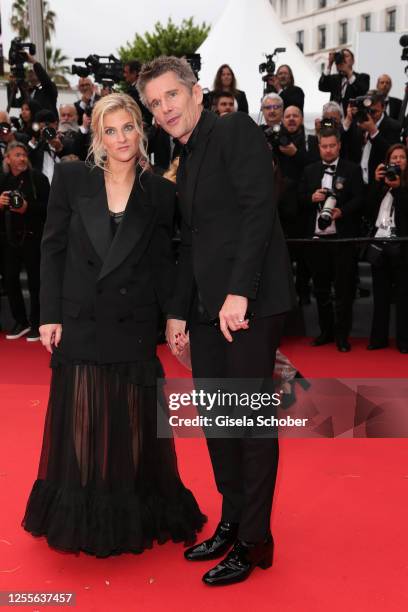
245,31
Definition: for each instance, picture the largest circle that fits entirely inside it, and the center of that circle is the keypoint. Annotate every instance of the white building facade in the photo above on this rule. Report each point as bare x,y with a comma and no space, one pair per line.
320,26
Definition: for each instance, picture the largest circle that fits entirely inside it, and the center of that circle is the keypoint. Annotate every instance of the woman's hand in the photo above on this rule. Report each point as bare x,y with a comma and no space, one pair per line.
393,184
380,173
50,335
176,335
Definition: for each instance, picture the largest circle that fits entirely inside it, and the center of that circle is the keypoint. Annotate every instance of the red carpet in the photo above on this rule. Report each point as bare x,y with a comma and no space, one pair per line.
339,519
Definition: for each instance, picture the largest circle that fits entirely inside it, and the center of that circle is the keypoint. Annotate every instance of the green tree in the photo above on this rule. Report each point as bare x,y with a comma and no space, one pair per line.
167,39
56,65
20,21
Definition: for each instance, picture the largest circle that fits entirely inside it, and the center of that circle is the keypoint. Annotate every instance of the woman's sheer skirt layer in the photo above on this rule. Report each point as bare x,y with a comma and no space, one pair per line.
106,484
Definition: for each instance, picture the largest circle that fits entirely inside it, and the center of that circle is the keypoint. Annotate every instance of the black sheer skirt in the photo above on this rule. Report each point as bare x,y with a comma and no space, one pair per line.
106,484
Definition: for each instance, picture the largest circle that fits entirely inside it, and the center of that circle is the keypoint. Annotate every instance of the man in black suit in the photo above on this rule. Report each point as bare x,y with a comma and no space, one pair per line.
42,89
234,287
131,71
392,105
347,83
283,83
89,97
367,140
20,237
332,264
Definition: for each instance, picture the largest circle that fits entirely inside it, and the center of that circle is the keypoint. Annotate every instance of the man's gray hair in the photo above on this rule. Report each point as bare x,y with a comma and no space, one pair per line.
332,107
162,65
272,96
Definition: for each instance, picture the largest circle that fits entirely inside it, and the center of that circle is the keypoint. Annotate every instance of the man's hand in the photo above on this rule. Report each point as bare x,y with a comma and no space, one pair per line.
22,210
4,199
86,121
50,334
232,315
290,150
379,173
393,184
176,335
336,213
30,58
331,60
319,195
56,144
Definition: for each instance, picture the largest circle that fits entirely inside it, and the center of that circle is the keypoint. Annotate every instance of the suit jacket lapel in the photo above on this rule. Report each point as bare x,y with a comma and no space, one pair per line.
93,208
193,163
137,220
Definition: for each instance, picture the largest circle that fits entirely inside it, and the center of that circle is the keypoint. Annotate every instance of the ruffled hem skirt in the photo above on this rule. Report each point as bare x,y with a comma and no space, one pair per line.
106,484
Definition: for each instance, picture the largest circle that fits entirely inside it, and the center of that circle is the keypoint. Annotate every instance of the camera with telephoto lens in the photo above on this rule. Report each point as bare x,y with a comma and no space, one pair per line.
18,56
16,199
392,172
278,136
363,105
325,217
111,71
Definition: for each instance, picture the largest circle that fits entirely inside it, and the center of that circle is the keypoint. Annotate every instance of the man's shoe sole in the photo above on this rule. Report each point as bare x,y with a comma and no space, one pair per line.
17,336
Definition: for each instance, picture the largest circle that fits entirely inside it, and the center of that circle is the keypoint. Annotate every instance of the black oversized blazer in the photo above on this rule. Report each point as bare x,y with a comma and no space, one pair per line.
231,238
106,292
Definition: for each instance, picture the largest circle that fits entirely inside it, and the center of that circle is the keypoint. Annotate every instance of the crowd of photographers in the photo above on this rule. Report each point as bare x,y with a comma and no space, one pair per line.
347,180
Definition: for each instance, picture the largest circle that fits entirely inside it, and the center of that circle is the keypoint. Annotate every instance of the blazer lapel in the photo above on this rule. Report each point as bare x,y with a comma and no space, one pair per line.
193,163
138,218
93,208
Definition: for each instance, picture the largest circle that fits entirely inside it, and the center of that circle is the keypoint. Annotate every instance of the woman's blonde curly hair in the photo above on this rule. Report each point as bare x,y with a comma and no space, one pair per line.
109,104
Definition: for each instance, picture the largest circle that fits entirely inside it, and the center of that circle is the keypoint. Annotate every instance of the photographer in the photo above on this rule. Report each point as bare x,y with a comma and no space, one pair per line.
347,83
331,197
7,135
369,132
28,111
272,111
225,81
223,103
387,208
332,117
23,202
89,97
42,89
131,71
392,105
283,83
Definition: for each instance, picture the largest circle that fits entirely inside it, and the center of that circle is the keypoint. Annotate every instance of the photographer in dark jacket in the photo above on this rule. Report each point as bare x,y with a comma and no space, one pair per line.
23,203
347,83
131,71
42,89
336,182
387,208
283,83
368,138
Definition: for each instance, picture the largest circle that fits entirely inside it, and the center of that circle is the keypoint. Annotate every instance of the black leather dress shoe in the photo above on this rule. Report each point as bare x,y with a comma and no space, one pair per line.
373,346
216,546
343,346
403,349
240,562
322,339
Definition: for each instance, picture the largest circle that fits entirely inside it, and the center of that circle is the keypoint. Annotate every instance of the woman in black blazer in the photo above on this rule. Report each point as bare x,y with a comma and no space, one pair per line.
106,483
225,81
388,211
